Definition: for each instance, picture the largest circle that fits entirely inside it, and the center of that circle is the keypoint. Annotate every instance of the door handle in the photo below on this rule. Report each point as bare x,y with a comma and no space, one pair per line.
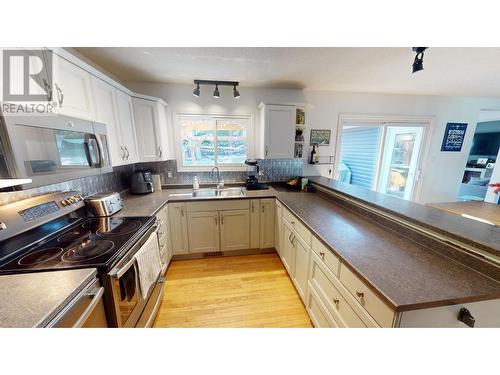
60,94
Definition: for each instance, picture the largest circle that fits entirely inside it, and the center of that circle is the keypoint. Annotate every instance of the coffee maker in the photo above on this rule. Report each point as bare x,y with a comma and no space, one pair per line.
252,176
141,183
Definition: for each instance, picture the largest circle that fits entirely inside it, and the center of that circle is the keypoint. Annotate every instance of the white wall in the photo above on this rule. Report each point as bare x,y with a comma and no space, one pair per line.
443,170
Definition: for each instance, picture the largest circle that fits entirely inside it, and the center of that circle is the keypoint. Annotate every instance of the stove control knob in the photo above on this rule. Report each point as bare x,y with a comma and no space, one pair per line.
3,226
64,202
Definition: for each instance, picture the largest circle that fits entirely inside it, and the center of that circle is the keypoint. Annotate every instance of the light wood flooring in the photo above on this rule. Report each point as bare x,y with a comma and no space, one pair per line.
237,291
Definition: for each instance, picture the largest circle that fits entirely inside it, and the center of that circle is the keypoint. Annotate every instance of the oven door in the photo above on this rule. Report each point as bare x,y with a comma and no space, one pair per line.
51,149
128,303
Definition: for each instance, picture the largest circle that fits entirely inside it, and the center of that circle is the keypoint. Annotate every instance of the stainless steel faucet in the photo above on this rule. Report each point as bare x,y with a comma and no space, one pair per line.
219,183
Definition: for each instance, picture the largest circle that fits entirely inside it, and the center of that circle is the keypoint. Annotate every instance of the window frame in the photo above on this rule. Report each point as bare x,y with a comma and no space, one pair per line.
236,167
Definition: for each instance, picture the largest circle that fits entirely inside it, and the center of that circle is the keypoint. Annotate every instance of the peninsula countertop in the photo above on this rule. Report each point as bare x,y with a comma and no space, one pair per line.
34,299
406,274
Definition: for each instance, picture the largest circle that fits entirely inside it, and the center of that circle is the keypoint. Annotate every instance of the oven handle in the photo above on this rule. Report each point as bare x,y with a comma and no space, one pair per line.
117,273
96,295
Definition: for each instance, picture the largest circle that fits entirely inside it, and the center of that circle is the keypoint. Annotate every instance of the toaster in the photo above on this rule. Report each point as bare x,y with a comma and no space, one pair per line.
104,204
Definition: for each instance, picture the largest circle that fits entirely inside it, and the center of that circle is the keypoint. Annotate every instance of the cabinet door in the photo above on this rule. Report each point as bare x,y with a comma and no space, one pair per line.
147,128
287,251
72,90
127,128
178,228
300,266
235,230
267,223
255,223
106,112
279,131
203,231
278,229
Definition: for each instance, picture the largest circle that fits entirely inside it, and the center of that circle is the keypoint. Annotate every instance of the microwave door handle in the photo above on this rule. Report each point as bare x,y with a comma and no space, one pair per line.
97,149
86,142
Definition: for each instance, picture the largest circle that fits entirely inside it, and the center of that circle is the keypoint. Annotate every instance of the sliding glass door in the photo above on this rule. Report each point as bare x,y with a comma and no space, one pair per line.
381,156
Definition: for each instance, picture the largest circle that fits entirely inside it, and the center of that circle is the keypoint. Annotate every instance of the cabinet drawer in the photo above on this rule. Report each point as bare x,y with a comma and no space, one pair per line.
300,228
326,255
323,282
219,205
377,308
317,311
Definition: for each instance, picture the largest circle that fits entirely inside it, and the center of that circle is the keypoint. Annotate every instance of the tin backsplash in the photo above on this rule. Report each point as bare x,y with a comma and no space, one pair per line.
117,180
274,170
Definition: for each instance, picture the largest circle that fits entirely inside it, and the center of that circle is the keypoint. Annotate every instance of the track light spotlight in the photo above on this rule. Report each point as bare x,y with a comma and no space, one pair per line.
196,91
236,93
216,91
418,64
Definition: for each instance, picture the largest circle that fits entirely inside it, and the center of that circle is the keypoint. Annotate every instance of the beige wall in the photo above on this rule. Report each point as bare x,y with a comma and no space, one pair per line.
443,171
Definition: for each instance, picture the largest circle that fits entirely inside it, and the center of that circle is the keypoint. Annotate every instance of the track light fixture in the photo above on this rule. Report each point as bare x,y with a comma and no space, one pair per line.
196,91
216,93
418,64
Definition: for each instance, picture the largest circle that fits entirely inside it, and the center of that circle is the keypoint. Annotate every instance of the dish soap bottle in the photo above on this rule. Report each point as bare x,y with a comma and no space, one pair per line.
196,183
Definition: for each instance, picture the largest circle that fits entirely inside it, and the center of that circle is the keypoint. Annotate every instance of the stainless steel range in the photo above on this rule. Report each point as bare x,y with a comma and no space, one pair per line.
52,232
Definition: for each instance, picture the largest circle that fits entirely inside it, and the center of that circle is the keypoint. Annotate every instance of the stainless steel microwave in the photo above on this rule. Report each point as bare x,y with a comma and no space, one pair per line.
51,149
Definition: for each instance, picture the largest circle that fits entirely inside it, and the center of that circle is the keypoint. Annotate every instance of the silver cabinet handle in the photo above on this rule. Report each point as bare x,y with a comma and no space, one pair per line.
360,293
182,211
216,221
263,208
267,151
160,153
336,301
60,94
123,152
253,207
222,219
96,295
128,153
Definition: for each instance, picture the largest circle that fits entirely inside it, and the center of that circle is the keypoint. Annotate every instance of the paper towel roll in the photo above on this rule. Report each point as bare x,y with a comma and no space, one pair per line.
157,182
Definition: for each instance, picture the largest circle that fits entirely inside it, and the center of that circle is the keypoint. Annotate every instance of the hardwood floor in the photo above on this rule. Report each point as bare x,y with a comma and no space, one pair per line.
238,291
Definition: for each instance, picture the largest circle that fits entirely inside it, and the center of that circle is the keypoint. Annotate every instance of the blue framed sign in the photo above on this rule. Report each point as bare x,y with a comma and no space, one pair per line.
454,136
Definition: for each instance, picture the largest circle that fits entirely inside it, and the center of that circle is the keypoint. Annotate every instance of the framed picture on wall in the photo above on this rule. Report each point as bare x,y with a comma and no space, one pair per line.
321,137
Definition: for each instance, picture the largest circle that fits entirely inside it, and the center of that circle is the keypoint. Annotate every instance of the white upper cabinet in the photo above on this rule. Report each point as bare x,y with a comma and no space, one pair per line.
72,90
127,128
277,131
106,112
151,129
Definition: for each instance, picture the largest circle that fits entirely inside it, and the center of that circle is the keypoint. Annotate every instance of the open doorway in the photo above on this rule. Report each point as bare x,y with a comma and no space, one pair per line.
482,159
381,154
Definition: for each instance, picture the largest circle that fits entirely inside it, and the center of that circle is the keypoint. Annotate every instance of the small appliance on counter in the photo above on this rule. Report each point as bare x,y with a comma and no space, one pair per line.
141,183
253,182
104,204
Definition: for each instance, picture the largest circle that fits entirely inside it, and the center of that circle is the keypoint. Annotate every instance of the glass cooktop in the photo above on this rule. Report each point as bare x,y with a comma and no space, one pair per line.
93,242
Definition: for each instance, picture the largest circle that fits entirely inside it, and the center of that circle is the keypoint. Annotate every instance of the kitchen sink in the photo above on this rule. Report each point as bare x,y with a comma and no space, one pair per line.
228,192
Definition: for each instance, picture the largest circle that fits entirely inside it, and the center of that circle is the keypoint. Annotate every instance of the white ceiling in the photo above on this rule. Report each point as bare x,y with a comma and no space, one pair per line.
447,71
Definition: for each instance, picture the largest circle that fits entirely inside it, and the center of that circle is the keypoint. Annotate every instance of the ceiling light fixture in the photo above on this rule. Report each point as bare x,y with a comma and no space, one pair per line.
196,91
216,93
418,64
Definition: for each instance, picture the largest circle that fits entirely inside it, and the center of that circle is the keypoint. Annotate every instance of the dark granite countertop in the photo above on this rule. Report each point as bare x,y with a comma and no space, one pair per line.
406,274
34,299
475,233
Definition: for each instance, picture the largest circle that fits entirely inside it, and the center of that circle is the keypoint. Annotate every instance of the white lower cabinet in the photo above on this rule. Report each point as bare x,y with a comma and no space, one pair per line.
234,230
203,231
278,228
300,268
267,223
178,228
318,312
287,250
254,223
